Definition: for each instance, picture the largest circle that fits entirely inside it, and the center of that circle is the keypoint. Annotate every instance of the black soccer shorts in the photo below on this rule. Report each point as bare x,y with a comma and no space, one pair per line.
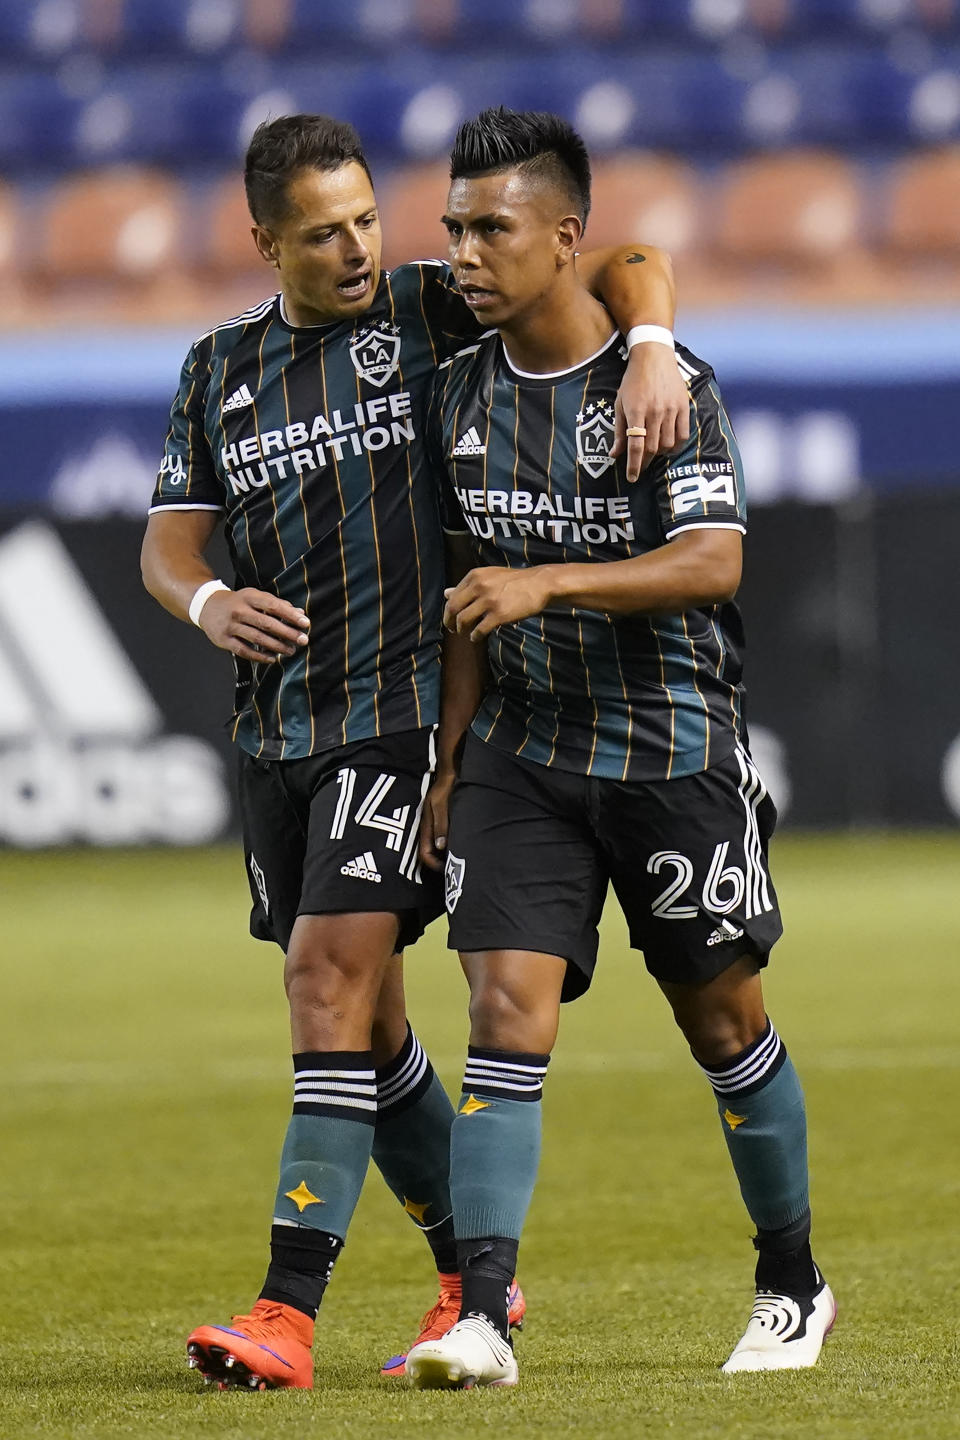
532,849
338,833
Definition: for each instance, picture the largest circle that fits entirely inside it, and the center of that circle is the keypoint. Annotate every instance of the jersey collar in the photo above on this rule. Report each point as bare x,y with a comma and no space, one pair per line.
558,374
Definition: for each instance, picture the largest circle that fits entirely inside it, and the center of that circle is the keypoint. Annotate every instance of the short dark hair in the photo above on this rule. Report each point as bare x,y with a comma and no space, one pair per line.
531,140
282,147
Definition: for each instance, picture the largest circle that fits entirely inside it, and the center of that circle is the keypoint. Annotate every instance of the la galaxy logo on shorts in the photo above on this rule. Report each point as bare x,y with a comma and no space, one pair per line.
453,881
595,433
376,352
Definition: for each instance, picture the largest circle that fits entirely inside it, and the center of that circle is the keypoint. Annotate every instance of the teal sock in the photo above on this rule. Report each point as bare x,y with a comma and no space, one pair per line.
495,1146
327,1147
411,1145
765,1126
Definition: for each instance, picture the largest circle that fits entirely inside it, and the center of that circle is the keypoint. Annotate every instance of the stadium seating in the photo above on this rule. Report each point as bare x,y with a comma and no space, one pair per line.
107,241
411,203
12,236
115,223
178,27
639,196
95,81
815,138
226,245
48,29
923,206
920,238
792,224
797,209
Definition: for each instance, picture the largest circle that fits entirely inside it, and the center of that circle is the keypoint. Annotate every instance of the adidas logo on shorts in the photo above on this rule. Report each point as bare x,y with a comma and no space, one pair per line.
469,444
724,932
362,867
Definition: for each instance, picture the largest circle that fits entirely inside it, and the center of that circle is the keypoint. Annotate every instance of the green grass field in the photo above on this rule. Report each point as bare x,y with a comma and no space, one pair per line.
145,1091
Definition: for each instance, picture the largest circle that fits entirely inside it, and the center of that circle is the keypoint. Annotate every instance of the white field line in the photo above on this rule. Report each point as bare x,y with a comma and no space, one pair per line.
135,1075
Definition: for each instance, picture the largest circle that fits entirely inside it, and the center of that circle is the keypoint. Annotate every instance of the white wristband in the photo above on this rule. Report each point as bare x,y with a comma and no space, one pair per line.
202,595
641,334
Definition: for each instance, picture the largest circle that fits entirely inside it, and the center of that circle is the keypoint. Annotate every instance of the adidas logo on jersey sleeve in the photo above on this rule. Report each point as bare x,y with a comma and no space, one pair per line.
238,399
362,867
469,444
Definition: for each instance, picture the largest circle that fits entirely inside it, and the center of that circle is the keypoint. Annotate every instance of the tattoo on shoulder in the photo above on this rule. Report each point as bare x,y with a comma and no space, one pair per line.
636,258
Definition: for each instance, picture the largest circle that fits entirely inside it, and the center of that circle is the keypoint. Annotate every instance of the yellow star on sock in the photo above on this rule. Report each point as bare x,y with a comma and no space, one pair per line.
471,1105
733,1120
419,1212
302,1197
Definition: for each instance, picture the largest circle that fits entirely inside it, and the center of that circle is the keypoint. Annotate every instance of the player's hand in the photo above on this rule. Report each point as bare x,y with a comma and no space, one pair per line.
653,397
433,821
495,595
254,625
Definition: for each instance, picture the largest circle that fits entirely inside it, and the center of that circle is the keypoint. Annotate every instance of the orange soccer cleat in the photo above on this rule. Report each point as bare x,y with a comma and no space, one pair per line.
445,1315
269,1349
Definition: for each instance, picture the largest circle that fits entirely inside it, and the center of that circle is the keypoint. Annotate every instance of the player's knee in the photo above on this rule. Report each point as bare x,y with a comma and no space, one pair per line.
506,1018
718,1035
326,979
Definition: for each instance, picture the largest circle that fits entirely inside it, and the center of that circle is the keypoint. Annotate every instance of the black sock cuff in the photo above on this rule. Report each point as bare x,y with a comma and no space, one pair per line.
504,1074
301,1263
339,1084
787,1238
751,1069
300,1247
487,1268
492,1255
784,1262
387,1072
520,1057
333,1060
404,1080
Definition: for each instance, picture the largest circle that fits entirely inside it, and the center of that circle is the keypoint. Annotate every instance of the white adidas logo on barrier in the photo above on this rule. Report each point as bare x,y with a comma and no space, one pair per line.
83,750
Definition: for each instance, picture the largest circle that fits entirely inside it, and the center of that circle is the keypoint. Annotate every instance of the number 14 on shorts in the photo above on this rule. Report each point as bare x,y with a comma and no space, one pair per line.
368,810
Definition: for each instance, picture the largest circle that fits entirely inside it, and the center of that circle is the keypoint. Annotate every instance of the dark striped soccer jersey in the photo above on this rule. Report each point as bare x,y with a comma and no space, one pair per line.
310,440
626,697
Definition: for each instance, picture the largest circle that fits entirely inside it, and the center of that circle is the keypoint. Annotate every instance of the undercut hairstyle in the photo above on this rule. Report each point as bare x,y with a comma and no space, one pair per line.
281,148
533,141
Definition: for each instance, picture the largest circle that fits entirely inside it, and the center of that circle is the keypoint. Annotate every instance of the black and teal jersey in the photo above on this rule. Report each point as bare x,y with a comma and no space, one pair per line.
530,475
310,440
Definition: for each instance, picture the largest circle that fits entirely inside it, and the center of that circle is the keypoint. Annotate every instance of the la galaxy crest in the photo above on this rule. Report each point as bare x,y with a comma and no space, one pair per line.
453,873
376,352
595,435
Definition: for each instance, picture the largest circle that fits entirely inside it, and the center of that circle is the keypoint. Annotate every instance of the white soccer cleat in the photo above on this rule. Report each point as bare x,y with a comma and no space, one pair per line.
785,1332
472,1353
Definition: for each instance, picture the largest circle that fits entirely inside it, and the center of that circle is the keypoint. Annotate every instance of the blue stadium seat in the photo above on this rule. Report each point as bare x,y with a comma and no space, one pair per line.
834,19
679,101
36,118
141,114
190,109
343,25
845,96
181,27
485,21
40,31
